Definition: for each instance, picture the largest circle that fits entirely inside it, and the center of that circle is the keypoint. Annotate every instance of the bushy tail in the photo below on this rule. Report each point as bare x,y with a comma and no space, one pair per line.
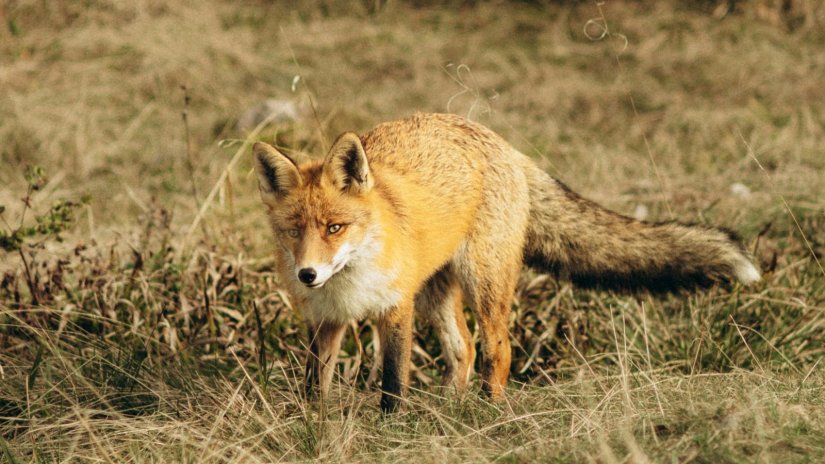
576,238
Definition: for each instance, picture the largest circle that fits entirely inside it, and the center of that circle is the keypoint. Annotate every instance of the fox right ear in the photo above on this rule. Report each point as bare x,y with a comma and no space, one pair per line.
277,174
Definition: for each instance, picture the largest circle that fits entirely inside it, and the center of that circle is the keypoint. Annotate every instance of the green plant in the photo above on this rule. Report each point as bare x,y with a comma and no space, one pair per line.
47,225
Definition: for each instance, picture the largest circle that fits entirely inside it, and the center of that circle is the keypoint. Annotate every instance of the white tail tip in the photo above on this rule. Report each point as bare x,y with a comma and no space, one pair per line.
747,273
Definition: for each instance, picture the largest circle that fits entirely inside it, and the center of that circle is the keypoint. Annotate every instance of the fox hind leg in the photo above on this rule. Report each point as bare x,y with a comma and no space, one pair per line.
490,293
489,262
440,302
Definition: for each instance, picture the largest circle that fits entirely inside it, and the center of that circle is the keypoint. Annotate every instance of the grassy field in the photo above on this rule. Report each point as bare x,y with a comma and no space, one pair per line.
139,321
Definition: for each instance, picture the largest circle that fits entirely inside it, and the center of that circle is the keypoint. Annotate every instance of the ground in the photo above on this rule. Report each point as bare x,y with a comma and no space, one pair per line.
139,321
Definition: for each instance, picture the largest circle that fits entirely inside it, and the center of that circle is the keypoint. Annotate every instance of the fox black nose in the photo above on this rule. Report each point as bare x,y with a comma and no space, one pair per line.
307,275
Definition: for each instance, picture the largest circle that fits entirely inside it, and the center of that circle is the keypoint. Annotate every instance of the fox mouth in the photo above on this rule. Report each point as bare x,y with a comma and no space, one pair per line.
341,262
340,267
335,272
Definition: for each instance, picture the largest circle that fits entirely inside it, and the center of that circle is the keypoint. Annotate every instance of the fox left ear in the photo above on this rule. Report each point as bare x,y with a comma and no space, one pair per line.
347,167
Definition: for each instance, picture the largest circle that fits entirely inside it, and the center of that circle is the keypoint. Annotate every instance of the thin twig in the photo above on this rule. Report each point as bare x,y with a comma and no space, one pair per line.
207,202
307,91
190,164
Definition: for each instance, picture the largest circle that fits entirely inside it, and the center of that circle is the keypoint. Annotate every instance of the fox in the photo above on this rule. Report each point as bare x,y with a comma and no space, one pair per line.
426,215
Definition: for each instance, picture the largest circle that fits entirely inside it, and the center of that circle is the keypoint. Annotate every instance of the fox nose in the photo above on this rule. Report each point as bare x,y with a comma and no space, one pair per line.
307,275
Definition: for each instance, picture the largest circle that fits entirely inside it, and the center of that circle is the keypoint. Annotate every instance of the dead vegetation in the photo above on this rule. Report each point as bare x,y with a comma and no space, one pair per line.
139,322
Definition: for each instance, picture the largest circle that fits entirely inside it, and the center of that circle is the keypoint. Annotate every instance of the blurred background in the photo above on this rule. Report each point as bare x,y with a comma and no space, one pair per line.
135,256
605,94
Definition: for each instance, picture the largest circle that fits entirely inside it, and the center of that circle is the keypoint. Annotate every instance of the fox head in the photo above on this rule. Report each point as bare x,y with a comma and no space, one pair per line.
319,211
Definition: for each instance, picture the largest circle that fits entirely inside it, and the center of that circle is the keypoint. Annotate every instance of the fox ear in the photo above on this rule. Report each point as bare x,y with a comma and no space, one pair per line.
347,167
277,174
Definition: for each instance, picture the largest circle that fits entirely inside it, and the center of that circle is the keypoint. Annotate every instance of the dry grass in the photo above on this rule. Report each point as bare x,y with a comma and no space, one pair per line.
147,335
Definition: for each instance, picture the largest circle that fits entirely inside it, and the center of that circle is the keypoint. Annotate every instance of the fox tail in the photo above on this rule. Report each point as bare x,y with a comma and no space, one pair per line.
574,237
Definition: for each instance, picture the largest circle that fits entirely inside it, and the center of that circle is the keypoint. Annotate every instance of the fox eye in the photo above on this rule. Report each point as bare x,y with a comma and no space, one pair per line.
292,233
333,228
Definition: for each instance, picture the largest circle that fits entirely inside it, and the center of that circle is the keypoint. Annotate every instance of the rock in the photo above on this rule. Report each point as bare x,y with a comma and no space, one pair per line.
641,212
740,190
280,111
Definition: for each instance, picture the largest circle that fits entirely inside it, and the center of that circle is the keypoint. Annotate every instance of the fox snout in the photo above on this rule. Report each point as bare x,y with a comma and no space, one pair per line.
315,274
307,275
313,263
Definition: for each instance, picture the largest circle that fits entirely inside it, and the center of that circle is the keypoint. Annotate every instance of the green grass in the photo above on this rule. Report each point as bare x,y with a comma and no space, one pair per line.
145,326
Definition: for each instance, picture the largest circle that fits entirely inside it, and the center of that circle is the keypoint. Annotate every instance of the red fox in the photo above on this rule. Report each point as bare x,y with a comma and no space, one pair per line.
431,213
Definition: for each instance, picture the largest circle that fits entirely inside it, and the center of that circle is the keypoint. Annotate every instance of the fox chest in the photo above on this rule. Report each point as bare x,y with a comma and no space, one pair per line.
355,293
